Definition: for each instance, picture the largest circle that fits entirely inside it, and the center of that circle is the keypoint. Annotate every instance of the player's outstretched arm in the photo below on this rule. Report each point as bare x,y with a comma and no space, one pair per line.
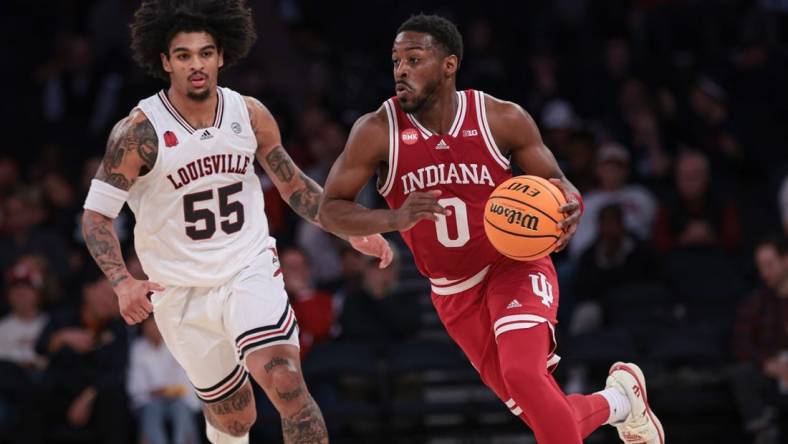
515,131
296,188
131,149
366,151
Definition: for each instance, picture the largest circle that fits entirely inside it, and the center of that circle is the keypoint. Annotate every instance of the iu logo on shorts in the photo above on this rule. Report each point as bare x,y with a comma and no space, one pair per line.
542,288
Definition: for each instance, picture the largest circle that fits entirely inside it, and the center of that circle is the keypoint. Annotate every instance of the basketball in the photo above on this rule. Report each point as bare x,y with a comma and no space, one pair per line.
521,217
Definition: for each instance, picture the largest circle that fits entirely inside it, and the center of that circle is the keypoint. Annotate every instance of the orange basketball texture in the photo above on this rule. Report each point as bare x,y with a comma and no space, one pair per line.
521,217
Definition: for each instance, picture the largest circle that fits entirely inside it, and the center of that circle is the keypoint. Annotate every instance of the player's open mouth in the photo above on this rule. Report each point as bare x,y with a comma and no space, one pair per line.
402,89
197,81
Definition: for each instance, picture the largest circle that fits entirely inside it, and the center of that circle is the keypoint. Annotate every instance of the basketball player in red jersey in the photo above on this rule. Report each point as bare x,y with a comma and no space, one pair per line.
439,153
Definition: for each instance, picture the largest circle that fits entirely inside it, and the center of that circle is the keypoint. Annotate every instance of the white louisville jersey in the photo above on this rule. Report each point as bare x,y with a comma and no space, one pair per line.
199,212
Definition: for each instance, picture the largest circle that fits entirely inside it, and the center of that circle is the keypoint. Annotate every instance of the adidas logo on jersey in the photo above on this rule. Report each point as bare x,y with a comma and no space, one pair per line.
206,135
514,304
441,145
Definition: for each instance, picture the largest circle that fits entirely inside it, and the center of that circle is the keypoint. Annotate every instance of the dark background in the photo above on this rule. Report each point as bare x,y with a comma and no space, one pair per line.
693,93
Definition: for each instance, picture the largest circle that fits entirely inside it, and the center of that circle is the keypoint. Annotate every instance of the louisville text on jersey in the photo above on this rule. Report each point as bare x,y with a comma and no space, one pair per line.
444,174
208,165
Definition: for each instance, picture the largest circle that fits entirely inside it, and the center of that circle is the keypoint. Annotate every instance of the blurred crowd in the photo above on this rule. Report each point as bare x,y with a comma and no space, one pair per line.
669,115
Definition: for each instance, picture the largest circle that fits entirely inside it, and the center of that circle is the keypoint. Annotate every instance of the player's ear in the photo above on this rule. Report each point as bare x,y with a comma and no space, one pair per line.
165,62
450,65
221,58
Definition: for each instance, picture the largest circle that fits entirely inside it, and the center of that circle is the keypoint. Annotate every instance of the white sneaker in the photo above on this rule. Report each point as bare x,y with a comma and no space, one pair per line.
641,425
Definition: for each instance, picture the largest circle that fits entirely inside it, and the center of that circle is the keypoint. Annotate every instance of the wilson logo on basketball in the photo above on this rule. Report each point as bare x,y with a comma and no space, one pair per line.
521,217
410,136
516,217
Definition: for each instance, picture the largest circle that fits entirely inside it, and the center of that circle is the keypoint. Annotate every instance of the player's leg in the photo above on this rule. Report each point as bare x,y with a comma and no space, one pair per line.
523,355
261,322
465,317
523,329
190,322
278,371
228,420
522,298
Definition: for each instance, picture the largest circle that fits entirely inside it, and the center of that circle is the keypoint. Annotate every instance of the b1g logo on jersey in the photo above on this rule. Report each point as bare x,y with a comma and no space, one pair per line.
470,133
410,136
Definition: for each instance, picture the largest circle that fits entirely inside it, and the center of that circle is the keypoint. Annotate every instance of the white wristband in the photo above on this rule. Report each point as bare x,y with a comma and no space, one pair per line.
105,199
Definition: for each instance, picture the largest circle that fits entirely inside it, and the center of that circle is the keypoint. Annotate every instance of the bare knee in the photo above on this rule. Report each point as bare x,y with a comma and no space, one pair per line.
234,415
283,382
286,389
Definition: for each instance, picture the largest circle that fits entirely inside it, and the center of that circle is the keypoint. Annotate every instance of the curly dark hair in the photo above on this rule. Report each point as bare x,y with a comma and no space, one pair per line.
441,29
156,22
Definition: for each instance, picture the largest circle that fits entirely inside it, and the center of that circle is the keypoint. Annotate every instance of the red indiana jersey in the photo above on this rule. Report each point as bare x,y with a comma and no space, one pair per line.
466,166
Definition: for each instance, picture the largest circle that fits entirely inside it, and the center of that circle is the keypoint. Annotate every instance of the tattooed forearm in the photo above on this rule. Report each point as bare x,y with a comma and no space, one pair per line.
235,403
281,163
306,200
306,426
102,242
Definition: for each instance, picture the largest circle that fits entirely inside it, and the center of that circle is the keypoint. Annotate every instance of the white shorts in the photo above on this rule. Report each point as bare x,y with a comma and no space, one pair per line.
211,330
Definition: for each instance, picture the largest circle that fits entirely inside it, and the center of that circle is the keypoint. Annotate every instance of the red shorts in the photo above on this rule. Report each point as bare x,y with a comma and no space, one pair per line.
512,295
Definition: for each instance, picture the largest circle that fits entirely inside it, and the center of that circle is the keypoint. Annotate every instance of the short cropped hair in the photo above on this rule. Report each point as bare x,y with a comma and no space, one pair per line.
443,31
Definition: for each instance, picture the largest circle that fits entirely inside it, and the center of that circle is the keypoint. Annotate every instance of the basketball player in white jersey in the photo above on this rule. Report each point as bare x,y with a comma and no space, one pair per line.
183,160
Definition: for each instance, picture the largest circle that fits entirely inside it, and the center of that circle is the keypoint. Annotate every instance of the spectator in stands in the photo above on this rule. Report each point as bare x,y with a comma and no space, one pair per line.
78,93
20,365
160,391
313,308
638,204
694,215
580,158
63,210
23,233
760,344
712,130
320,246
378,312
87,349
616,257
9,174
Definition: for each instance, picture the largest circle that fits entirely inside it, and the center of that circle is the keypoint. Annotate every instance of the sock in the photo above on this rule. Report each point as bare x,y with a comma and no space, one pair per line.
215,436
619,404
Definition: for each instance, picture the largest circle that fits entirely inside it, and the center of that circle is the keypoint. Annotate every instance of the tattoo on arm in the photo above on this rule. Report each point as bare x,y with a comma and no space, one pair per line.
102,242
281,163
305,426
306,200
128,137
238,402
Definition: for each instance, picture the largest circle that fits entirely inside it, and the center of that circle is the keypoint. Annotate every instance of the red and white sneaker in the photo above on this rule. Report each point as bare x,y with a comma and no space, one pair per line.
641,425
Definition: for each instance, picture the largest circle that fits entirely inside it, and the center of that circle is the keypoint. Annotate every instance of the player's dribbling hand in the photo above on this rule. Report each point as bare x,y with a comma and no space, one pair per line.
375,246
419,205
133,299
572,212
